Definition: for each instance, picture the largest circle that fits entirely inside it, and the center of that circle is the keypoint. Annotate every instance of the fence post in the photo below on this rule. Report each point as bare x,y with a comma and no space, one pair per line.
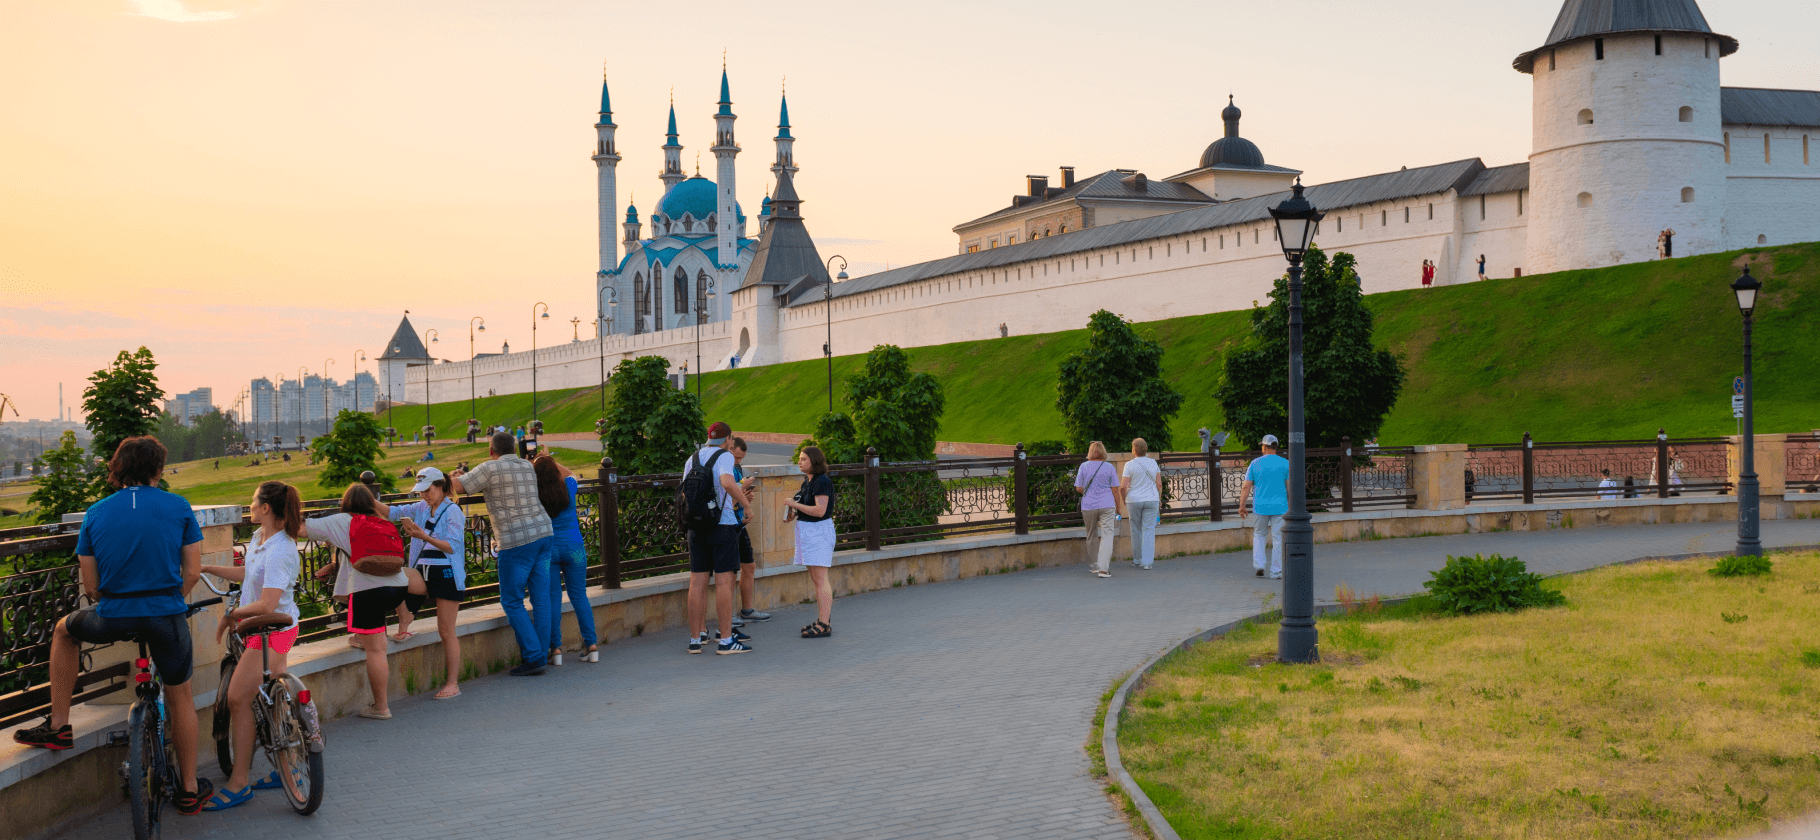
1661,463
609,521
873,538
1529,469
1214,502
1346,474
1020,490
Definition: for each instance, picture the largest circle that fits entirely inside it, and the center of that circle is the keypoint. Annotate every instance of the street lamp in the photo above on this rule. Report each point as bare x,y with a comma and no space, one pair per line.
828,309
612,304
1297,639
473,415
546,316
429,428
391,397
359,356
701,311
1745,288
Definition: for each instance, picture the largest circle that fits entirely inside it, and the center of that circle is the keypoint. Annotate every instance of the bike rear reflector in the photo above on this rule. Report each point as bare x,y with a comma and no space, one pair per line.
142,677
304,697
142,663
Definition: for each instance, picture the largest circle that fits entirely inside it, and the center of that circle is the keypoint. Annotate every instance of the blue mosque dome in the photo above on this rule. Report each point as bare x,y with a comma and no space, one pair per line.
694,197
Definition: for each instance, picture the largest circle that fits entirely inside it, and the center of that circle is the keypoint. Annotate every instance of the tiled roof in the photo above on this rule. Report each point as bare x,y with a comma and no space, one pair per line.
405,344
786,253
1499,179
1106,185
1765,106
1581,19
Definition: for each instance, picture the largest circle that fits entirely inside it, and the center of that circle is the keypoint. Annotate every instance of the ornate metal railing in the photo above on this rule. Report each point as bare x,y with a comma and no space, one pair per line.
1802,461
1659,468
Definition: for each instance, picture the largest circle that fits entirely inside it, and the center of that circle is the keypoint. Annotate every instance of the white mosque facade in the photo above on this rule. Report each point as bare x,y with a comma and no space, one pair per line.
1632,135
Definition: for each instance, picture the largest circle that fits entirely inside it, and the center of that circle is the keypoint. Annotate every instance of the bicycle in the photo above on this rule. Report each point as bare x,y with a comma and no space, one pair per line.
285,723
150,770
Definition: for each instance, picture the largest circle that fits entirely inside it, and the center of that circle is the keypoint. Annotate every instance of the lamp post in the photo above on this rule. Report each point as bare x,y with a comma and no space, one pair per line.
473,415
1745,288
325,394
301,373
828,309
359,356
1297,638
430,337
391,397
546,315
612,304
701,311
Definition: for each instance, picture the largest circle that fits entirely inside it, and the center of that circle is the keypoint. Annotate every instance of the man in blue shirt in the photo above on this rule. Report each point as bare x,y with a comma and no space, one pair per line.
139,552
1268,475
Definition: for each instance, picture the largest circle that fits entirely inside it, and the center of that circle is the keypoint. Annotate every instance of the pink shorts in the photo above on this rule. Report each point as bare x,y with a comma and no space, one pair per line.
281,642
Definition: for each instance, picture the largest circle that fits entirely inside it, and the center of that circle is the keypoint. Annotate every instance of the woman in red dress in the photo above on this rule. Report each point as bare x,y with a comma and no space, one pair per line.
1428,273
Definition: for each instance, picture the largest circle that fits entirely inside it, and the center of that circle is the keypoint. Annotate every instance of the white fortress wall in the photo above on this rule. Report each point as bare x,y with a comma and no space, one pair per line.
574,364
1771,193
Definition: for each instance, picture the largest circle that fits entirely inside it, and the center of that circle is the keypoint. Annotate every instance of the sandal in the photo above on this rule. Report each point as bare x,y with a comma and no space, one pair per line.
402,635
270,782
817,630
225,799
372,713
190,804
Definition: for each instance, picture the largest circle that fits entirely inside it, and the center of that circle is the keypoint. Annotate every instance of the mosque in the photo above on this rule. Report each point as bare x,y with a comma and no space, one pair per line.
1637,152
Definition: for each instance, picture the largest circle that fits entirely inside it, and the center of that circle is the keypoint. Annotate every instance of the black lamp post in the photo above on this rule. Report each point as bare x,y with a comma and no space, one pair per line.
473,417
429,428
1745,288
701,313
546,316
325,395
391,398
359,356
828,311
1297,639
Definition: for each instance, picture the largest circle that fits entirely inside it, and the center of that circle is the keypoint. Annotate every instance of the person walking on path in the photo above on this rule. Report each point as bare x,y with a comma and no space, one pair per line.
1268,476
138,552
1096,481
268,584
748,569
813,510
370,598
1608,486
1143,494
437,529
556,489
716,551
525,540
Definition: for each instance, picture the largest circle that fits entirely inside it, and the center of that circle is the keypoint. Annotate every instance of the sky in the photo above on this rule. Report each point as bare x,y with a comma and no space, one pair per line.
251,187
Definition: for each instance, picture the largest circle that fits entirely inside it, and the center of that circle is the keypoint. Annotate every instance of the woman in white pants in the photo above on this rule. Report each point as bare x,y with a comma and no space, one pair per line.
1098,482
1143,492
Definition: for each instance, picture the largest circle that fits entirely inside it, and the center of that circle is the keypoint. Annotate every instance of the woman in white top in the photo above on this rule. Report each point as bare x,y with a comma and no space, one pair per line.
370,598
1143,492
268,584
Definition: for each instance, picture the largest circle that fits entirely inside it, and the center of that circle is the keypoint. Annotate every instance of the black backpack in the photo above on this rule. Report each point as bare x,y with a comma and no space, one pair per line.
697,507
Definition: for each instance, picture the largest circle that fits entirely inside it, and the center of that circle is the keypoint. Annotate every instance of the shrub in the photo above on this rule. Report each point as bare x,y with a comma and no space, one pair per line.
1479,584
1740,566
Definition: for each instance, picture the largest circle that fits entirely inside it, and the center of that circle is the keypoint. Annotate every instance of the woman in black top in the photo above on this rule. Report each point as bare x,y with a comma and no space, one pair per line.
813,510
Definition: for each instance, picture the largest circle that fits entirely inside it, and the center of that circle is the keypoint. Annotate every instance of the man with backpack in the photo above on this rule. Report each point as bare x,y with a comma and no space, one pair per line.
708,503
525,539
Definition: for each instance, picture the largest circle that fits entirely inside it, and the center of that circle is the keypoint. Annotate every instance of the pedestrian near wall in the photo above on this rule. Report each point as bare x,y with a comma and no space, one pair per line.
1096,480
1268,478
1428,273
556,490
369,598
1142,489
1481,266
813,510
522,528
437,528
715,550
1608,486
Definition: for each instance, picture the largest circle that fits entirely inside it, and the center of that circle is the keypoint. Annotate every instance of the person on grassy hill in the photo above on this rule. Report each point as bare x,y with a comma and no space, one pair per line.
1428,273
526,544
715,550
1481,266
139,553
268,584
1142,492
1097,482
1268,477
813,510
370,598
556,491
437,528
748,577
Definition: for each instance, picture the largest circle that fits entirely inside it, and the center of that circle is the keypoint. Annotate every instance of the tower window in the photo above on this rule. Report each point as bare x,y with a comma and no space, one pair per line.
1805,160
1728,147
1766,148
1687,114
1687,195
1383,218
1519,202
1584,199
1405,215
1709,47
1551,59
1585,117
1658,45
1598,49
1481,207
1431,211
1762,240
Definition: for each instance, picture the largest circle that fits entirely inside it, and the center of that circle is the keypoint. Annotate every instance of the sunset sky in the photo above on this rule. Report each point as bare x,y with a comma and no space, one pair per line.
252,186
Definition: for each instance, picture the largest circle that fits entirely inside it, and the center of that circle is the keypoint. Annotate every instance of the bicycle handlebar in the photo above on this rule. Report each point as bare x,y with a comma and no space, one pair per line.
200,605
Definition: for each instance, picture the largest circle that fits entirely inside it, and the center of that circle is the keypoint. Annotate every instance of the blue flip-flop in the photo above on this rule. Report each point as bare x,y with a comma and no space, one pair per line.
225,799
270,782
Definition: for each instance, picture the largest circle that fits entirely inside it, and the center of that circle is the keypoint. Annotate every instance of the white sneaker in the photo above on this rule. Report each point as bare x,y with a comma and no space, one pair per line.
1277,576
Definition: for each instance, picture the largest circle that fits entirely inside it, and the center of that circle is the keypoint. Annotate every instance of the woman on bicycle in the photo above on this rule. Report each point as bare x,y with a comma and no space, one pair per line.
556,489
268,584
436,527
370,598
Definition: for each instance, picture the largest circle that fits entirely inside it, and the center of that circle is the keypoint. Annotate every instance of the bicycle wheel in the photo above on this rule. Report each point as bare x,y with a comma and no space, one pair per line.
145,771
288,748
224,721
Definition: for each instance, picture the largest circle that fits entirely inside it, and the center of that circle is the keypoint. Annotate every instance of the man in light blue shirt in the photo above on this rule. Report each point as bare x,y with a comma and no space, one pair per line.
1268,475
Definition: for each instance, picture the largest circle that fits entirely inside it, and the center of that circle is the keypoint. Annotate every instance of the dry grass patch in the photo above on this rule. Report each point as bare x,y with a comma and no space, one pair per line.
1661,702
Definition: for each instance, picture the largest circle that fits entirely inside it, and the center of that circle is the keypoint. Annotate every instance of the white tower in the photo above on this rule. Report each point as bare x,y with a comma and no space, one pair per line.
1627,139
673,173
606,163
726,204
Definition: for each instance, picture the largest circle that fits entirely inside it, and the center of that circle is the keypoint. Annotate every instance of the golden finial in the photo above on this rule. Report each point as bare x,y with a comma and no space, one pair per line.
698,164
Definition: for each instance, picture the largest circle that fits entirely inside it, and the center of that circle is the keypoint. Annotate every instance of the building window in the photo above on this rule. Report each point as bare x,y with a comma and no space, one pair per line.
1551,59
1598,49
1687,114
994,244
1405,215
1766,148
973,249
1431,211
1762,240
1339,224
1481,207
1519,202
1585,116
1011,240
1063,228
1728,147
1687,195
1805,161
1383,218
1585,199
1709,47
1254,236
641,303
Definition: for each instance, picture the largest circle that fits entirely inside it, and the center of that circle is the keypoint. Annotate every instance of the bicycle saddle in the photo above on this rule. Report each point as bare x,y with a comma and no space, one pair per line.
258,623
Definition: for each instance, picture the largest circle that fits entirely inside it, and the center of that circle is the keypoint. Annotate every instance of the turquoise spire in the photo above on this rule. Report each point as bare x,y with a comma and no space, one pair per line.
606,102
726,99
783,116
672,132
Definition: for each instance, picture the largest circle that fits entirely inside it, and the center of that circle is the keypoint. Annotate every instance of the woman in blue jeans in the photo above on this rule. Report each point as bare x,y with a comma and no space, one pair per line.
556,489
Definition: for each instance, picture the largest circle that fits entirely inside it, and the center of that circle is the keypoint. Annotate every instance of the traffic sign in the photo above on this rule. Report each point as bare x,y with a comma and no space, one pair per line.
1738,385
1738,405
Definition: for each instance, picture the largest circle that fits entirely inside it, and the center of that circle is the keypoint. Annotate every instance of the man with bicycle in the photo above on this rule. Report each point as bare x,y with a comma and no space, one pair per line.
140,552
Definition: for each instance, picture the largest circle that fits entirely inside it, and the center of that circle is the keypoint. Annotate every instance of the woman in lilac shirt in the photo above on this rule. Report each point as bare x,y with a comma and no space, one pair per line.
1094,481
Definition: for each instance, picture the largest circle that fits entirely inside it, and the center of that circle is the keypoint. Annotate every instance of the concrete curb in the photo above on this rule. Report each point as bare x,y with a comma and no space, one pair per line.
1109,729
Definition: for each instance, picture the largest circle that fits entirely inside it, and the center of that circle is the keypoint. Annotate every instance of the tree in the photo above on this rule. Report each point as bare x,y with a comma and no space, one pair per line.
893,410
68,485
121,401
673,432
1350,386
838,441
651,426
349,449
1114,390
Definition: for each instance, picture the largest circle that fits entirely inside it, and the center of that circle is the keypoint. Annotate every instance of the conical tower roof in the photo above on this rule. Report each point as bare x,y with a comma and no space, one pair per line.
405,344
1582,19
786,255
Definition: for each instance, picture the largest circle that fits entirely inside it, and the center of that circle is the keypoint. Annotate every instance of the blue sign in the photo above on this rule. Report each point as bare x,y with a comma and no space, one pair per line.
1737,384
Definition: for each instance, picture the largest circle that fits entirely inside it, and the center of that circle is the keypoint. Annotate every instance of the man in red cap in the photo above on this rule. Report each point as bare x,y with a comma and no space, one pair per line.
716,551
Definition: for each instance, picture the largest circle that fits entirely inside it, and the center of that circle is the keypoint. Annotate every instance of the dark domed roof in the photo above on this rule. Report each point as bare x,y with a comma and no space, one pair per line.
1232,150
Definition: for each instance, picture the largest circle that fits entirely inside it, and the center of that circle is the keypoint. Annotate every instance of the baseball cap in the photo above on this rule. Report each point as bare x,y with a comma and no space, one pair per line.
720,431
426,477
1270,440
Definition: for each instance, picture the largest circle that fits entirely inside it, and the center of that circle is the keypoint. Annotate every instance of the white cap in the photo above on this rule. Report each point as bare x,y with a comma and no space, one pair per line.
1270,440
426,477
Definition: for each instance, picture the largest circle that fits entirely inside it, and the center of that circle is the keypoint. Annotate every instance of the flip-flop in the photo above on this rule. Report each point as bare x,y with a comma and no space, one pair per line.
402,637
440,696
270,782
371,713
225,799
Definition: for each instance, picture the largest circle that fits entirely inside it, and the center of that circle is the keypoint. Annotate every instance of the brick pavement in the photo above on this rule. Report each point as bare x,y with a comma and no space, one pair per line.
947,710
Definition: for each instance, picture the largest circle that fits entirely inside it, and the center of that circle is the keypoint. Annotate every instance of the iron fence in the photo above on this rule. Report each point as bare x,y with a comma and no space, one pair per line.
1611,469
1802,461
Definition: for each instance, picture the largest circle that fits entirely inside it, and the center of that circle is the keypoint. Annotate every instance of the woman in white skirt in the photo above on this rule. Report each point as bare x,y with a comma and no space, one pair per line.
813,510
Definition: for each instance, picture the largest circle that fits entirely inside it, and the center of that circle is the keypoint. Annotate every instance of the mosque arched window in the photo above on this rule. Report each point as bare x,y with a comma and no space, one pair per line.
713,222
701,294
657,297
679,293
641,303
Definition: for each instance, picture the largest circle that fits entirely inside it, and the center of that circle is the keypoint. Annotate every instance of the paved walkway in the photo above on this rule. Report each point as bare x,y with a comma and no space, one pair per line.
949,710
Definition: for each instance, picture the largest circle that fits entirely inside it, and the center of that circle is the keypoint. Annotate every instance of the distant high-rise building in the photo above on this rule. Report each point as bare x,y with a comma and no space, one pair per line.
188,407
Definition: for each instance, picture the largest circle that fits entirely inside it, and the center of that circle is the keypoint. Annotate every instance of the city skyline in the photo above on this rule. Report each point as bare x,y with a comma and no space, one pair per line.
296,205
